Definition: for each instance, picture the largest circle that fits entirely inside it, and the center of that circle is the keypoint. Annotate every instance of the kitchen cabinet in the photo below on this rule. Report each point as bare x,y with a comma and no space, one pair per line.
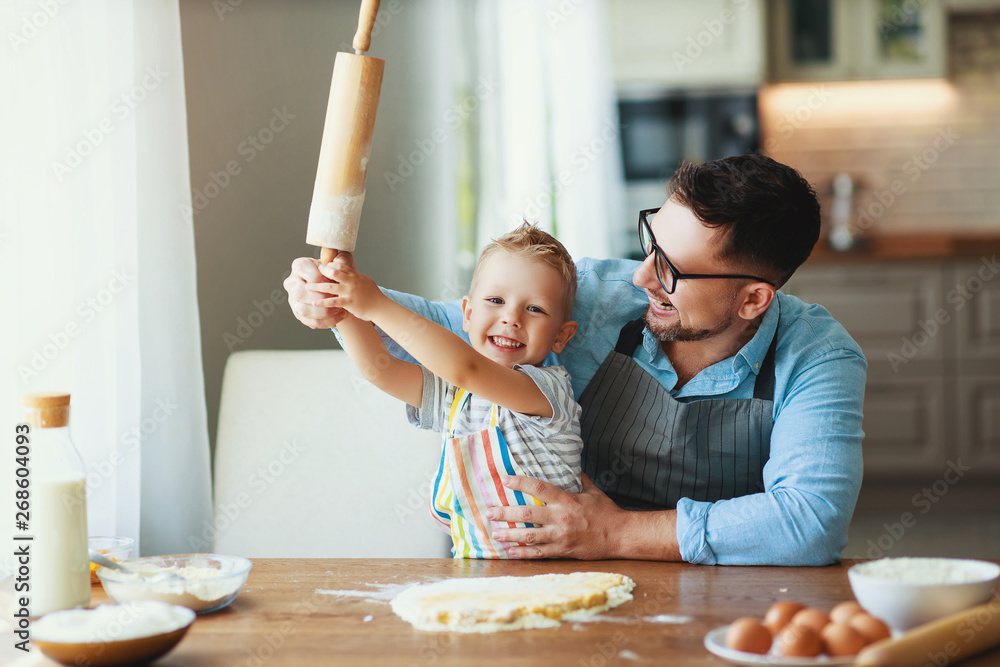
855,39
683,44
930,330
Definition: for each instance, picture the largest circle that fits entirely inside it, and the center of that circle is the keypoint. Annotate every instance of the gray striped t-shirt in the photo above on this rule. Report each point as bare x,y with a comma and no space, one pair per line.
546,448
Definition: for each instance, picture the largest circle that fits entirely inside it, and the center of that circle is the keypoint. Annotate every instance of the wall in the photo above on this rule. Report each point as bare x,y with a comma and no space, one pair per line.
924,155
257,76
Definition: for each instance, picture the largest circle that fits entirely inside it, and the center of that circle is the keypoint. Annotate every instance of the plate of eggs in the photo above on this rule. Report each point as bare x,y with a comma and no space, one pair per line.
794,634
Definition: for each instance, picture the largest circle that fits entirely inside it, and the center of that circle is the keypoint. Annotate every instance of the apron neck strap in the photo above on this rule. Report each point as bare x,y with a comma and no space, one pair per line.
630,337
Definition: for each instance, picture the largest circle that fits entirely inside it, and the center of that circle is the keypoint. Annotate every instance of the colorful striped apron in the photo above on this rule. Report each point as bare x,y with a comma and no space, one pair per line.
468,481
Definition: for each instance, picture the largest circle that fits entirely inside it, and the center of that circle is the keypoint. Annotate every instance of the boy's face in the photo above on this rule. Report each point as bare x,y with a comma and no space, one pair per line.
516,311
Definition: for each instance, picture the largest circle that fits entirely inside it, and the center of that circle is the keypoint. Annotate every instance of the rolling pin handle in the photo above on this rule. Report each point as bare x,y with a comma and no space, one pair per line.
326,255
366,21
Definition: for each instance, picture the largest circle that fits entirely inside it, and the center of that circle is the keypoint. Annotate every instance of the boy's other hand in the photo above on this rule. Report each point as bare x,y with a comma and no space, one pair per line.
301,300
347,288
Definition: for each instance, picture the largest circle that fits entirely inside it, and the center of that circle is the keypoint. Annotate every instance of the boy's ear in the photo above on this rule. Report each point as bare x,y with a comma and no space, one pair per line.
466,312
566,332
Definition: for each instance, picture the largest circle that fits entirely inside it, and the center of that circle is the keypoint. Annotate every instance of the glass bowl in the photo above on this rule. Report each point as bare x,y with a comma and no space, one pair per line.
206,583
115,548
907,592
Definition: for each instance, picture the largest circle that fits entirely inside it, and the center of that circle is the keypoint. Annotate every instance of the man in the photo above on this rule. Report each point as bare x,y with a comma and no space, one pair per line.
721,418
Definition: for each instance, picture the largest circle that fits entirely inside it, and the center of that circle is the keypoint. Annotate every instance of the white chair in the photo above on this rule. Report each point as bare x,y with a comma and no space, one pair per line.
313,461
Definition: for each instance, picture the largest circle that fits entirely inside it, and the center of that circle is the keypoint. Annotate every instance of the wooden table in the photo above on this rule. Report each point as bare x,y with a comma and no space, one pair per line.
280,619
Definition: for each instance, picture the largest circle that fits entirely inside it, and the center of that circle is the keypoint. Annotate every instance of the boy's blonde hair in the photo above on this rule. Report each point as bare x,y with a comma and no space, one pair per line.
530,242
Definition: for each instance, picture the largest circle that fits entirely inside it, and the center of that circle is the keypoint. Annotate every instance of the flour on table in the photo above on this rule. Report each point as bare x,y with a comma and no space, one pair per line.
492,604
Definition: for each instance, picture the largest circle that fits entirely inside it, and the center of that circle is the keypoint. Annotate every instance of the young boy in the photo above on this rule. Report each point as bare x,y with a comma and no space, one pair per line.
502,413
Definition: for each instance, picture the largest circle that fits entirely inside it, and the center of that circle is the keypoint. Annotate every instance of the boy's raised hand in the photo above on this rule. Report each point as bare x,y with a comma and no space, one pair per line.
305,272
349,289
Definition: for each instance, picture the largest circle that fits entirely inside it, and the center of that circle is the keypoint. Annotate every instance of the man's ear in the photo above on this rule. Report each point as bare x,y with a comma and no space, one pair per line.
466,312
756,298
566,332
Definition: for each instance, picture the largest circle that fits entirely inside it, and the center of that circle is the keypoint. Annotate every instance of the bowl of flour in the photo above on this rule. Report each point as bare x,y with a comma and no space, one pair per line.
111,634
201,582
907,592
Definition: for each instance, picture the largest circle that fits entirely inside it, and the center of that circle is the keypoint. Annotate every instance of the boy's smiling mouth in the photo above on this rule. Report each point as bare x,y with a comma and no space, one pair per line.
506,343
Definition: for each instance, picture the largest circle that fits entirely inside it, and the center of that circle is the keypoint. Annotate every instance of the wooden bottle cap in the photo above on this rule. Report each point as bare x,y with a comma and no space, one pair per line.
46,409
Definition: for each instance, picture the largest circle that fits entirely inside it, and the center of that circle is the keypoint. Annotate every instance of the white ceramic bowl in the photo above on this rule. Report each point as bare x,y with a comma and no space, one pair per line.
127,639
211,581
907,592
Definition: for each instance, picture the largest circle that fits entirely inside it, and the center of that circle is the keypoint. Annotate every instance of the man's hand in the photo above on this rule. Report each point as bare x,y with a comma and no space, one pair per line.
301,300
587,525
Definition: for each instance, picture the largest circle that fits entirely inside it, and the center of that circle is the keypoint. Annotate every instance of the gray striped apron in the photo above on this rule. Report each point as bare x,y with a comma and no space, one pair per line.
647,450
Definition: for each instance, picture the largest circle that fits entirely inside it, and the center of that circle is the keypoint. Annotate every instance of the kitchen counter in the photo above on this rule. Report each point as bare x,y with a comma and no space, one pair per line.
282,617
909,247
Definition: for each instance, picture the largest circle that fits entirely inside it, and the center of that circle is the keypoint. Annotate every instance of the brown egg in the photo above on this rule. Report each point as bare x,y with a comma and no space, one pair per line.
780,613
800,641
843,611
872,628
842,639
750,635
812,618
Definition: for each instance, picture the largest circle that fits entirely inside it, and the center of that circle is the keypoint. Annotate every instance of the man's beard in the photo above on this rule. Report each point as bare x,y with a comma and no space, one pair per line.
677,332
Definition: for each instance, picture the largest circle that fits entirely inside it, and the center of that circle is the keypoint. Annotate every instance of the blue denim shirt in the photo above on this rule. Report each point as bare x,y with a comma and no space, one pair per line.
813,475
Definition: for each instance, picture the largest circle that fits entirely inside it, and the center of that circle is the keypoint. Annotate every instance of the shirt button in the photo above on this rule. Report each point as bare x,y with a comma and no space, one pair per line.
756,365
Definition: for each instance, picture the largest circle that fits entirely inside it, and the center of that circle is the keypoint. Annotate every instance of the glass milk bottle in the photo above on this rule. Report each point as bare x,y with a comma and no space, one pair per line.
60,565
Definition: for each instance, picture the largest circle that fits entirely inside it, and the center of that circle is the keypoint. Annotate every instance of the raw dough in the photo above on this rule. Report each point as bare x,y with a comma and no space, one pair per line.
492,604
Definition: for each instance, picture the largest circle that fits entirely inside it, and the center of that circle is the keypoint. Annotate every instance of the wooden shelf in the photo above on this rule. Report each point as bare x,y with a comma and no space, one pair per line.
909,247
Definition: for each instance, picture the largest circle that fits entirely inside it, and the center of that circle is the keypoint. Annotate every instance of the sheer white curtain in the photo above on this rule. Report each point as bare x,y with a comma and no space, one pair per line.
549,147
97,260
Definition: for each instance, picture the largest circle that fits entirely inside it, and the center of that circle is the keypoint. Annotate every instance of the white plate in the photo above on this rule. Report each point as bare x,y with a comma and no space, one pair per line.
715,642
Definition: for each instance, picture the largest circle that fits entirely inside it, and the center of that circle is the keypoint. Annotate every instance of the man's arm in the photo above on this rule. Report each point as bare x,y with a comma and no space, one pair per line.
587,525
812,480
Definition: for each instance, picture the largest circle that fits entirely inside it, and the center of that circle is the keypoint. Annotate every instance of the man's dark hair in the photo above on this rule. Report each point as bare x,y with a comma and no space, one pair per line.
768,213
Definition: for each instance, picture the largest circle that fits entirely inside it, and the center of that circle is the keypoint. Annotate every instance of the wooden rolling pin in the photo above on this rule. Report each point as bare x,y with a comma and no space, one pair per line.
942,642
339,192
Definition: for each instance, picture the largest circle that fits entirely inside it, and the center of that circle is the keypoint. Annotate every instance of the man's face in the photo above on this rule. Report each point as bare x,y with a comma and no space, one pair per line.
698,309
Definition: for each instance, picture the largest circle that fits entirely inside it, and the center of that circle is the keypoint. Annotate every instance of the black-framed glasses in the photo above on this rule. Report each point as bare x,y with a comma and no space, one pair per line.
667,273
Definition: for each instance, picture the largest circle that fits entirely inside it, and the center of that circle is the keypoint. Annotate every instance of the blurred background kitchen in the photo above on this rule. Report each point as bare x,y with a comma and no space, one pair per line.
573,113
898,99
